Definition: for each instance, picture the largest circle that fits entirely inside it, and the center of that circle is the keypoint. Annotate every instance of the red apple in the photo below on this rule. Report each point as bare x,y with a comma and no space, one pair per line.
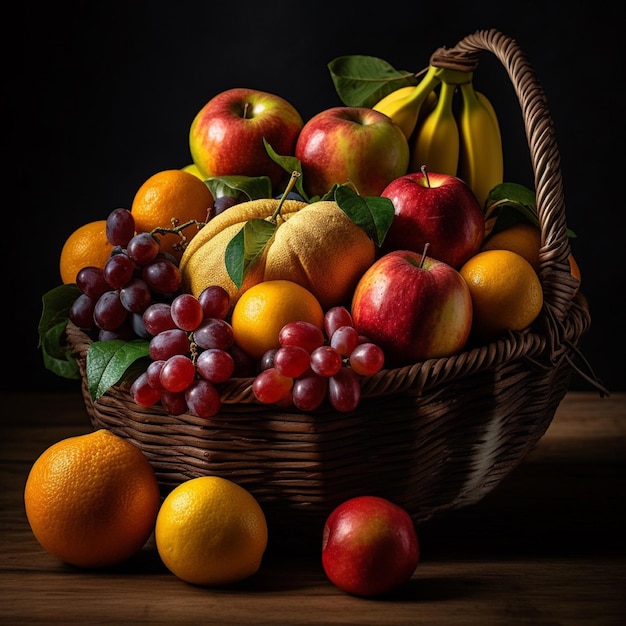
351,144
413,306
226,135
369,546
438,209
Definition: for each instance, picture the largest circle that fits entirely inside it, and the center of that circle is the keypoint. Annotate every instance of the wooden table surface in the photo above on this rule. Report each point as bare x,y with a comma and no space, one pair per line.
546,547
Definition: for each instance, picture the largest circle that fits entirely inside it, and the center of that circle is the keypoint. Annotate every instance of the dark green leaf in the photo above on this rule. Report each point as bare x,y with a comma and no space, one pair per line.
56,305
234,258
253,187
510,203
289,164
373,214
361,80
513,192
246,246
107,362
56,357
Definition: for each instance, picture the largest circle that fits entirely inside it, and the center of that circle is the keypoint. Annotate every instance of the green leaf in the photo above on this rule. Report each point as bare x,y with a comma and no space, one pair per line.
289,164
510,203
56,357
108,361
361,80
513,192
253,187
373,214
246,247
56,305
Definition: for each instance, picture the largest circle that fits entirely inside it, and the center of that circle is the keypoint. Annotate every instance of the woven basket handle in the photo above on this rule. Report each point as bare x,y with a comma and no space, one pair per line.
558,285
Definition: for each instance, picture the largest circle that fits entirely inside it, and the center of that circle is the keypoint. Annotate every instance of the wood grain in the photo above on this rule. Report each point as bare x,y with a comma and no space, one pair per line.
546,547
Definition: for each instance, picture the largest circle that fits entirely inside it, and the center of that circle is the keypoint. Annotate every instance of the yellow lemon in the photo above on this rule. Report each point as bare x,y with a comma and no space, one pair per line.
211,531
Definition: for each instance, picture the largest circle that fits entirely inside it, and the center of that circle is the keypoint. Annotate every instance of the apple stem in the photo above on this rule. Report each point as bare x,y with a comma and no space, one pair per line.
423,170
426,246
292,181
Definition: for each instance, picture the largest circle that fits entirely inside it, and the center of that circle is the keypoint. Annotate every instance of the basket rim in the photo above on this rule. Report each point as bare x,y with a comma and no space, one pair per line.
536,346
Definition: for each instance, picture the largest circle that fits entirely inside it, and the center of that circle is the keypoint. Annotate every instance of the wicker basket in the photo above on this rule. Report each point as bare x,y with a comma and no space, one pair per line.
433,436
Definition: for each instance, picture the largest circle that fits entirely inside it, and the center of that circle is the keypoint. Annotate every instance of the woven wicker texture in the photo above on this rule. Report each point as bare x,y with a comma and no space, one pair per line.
432,436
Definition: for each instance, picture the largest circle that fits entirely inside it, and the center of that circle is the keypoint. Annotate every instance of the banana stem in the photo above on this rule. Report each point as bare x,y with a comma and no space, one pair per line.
425,86
454,77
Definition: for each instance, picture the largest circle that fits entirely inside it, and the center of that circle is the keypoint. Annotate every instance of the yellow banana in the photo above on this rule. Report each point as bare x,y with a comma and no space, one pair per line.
481,160
494,116
436,144
403,105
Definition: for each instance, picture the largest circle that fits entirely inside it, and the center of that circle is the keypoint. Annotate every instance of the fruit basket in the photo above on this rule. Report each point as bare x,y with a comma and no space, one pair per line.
432,436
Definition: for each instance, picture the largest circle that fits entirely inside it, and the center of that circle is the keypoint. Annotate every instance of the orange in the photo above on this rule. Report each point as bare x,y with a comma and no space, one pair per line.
525,239
92,500
506,292
265,308
315,245
211,531
86,246
522,237
171,195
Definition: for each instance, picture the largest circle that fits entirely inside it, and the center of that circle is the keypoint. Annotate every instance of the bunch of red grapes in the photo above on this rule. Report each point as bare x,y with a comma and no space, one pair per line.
192,351
311,366
191,343
137,273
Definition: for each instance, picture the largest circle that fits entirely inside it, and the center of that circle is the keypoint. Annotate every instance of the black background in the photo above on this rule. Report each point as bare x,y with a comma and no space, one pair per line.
100,97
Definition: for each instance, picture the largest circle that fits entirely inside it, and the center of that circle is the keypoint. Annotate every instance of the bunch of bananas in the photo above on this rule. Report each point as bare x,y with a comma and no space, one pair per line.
460,139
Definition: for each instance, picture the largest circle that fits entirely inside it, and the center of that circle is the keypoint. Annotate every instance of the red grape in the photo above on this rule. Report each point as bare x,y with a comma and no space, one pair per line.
344,390
215,365
270,386
158,318
367,359
143,393
143,248
120,227
326,361
81,312
109,313
301,333
291,361
214,333
168,343
336,317
309,391
203,399
177,373
186,311
345,339
215,302
90,280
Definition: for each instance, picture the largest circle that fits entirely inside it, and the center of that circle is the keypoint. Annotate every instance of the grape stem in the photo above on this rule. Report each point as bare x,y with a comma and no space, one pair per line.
177,229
